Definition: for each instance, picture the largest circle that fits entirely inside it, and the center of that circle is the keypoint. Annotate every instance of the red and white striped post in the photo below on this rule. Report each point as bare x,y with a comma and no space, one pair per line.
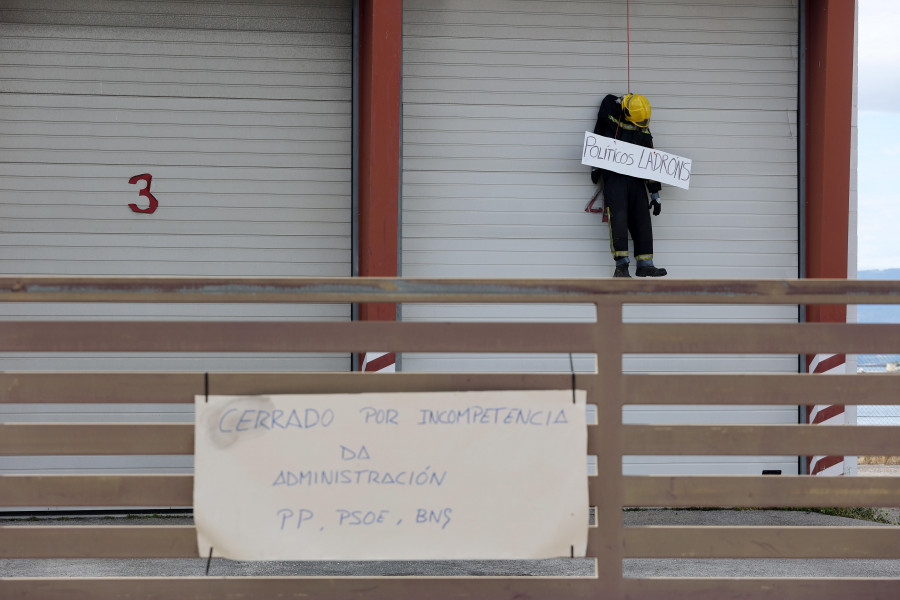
378,362
826,414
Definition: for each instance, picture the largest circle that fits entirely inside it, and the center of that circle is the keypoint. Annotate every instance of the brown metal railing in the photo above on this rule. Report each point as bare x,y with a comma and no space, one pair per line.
608,339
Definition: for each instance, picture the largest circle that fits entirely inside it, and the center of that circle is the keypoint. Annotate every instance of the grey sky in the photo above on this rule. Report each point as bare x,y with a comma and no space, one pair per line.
879,134
879,55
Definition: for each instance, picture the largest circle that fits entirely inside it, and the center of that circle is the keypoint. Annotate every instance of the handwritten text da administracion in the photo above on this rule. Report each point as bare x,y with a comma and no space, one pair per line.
637,161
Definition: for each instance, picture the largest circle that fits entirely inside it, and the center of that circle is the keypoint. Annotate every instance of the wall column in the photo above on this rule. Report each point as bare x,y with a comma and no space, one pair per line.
828,112
829,84
378,139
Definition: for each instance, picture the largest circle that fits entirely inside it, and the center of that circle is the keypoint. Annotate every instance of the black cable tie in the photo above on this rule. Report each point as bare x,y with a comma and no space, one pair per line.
209,561
206,386
572,367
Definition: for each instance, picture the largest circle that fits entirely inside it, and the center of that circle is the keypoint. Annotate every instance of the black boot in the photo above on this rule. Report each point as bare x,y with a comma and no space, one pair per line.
650,272
622,271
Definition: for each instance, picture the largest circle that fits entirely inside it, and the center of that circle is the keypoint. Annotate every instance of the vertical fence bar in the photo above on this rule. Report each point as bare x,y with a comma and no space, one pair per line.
606,541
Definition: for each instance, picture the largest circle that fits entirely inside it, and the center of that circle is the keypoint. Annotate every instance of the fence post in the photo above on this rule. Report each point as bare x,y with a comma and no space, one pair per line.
606,541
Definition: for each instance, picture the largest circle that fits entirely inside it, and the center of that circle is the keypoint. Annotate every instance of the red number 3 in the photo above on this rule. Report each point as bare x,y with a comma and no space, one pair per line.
145,193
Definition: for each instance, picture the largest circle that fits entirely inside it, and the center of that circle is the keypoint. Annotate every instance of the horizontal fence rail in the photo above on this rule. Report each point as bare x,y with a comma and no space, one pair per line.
640,542
377,289
608,339
180,388
781,388
757,338
290,337
639,491
758,491
120,439
801,440
389,587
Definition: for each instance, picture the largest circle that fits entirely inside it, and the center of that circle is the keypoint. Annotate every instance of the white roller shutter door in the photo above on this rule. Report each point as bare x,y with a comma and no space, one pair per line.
497,95
240,112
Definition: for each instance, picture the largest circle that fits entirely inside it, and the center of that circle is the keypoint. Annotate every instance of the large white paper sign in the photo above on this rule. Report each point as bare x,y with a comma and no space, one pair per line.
462,475
637,161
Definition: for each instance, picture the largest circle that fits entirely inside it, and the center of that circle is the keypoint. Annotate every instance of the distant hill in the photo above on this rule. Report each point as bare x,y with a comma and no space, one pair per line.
879,313
880,274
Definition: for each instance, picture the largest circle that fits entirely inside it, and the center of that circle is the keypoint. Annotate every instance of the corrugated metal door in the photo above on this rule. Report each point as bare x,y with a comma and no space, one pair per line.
239,114
497,95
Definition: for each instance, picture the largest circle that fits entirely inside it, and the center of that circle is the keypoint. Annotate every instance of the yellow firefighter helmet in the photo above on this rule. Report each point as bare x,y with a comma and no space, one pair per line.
636,109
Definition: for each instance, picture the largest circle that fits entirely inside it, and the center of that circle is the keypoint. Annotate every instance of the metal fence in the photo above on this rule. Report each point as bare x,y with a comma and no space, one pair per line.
878,415
608,339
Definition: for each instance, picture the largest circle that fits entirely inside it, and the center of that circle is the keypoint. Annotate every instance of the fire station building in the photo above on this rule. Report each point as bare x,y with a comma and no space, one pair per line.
416,138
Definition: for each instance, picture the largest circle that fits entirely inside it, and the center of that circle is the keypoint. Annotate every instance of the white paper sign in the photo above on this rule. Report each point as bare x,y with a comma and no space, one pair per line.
465,475
637,161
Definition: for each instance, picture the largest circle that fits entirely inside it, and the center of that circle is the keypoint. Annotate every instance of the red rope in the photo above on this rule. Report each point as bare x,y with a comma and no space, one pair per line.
628,41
